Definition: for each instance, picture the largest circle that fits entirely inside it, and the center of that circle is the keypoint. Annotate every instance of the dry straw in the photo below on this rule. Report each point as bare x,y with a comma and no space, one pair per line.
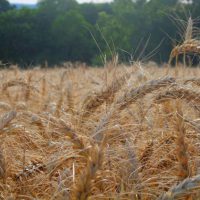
125,149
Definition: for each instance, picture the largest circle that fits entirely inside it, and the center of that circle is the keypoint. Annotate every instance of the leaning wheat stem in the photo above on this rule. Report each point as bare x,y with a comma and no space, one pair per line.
189,46
195,81
139,92
18,82
7,118
185,187
178,93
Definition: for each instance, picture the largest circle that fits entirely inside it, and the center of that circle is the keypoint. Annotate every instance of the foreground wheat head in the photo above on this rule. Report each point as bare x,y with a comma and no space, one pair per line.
100,133
190,43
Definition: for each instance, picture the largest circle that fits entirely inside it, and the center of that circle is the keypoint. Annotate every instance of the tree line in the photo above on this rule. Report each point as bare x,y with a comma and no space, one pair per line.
57,31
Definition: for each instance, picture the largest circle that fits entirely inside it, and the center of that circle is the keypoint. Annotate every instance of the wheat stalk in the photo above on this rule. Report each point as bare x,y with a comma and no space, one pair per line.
70,98
43,86
134,169
27,90
59,104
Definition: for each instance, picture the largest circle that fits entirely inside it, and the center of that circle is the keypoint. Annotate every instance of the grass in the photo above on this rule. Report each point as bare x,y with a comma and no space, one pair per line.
118,132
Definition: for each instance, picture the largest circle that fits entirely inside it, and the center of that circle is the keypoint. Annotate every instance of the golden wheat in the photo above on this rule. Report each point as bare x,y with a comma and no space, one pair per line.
138,137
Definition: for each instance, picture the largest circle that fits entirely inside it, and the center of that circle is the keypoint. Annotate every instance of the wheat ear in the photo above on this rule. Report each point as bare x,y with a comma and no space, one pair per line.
76,139
178,93
189,46
70,98
189,30
187,186
2,164
193,124
181,149
27,90
195,81
83,186
7,118
139,92
19,82
106,95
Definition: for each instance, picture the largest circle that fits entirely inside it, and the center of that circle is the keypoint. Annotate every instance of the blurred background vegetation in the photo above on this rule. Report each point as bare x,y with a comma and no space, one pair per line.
56,31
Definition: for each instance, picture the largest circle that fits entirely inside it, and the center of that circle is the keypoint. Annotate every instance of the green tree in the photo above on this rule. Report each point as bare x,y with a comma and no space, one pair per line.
90,12
71,38
4,6
20,37
113,35
57,6
59,30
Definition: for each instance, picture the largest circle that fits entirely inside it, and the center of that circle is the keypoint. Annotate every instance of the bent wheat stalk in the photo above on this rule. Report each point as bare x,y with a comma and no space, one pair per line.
195,81
139,92
178,93
193,124
190,46
19,82
185,187
7,118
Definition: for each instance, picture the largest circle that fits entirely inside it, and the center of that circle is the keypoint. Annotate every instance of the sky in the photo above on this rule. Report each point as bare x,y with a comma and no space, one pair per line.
35,1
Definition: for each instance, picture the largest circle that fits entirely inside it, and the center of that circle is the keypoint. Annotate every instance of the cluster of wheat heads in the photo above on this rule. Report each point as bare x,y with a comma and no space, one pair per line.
190,42
99,133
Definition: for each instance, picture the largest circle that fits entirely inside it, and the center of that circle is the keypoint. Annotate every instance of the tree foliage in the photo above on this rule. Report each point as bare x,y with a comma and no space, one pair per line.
5,6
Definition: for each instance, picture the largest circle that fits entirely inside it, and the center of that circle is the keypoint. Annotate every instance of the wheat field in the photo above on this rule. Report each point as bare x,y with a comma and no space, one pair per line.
117,132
